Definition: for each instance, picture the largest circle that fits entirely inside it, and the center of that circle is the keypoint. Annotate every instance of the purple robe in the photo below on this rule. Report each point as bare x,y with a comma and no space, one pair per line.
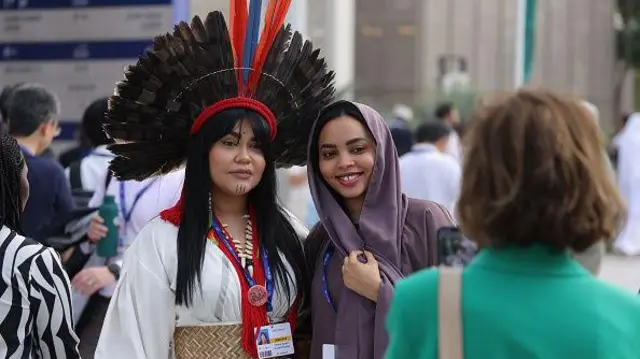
400,232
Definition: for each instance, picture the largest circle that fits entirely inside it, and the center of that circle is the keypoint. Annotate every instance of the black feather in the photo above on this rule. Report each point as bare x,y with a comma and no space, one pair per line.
154,106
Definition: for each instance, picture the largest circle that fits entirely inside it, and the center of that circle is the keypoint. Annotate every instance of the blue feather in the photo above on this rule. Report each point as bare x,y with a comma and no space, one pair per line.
252,36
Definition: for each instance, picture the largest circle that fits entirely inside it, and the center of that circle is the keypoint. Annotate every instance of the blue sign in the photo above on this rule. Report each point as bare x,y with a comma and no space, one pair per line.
73,50
61,4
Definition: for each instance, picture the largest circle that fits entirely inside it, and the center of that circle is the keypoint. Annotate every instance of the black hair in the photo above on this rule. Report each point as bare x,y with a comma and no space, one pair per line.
93,120
31,105
431,132
5,97
11,165
275,232
443,110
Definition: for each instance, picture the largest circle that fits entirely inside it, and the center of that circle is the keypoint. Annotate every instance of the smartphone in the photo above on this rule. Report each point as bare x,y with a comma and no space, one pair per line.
450,241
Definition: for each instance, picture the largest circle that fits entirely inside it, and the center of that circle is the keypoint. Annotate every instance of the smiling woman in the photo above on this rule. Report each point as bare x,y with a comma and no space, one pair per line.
347,155
370,234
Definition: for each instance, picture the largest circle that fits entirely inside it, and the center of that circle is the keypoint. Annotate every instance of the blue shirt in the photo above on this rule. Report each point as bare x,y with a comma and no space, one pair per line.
49,193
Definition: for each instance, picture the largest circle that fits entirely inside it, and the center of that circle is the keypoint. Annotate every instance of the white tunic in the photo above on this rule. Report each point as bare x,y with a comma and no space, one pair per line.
142,315
628,241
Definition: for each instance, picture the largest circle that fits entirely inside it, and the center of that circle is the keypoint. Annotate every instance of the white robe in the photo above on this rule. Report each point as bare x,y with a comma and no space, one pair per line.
628,241
142,315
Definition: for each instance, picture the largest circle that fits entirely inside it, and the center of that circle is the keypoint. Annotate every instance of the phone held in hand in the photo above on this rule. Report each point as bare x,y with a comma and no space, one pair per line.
450,242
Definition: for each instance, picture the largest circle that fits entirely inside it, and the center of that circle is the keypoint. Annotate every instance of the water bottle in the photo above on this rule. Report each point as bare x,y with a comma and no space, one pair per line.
108,246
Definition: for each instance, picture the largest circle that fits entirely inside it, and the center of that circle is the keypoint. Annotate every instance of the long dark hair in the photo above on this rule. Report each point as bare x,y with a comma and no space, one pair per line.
11,165
274,229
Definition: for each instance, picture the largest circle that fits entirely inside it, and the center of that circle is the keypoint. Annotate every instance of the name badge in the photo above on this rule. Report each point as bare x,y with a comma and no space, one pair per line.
328,351
274,341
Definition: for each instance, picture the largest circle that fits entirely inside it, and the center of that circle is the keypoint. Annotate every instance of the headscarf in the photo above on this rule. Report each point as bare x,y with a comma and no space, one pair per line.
379,231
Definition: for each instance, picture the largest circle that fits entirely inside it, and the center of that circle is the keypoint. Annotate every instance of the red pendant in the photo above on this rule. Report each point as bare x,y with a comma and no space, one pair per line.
258,295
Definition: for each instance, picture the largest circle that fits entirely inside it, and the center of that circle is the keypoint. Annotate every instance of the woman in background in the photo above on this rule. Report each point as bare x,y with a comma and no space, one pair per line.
35,302
535,187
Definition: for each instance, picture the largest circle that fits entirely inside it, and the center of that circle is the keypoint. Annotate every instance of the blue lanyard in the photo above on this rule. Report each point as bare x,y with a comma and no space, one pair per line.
265,262
326,259
126,214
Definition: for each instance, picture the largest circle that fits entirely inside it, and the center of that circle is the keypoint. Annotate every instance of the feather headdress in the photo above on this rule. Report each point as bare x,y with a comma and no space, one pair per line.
205,68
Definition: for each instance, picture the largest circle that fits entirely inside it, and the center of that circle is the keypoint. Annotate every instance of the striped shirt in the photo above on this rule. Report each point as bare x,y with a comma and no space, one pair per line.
35,309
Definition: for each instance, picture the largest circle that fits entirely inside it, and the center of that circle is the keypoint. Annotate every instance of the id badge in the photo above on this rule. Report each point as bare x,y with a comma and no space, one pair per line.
274,341
328,351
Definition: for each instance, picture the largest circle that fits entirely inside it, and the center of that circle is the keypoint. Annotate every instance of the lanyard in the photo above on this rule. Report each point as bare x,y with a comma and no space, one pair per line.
265,262
126,215
326,259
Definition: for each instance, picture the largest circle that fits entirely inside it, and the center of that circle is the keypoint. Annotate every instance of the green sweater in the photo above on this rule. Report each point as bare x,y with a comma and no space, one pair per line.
520,303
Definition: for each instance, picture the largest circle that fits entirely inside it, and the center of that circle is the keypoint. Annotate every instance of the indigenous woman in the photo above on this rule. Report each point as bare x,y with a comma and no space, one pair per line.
370,235
226,263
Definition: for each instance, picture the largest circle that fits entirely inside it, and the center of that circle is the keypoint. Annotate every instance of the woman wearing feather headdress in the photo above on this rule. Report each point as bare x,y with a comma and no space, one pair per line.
226,262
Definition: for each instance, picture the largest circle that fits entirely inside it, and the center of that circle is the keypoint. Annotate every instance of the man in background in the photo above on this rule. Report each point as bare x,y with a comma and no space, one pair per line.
450,117
400,129
428,173
33,121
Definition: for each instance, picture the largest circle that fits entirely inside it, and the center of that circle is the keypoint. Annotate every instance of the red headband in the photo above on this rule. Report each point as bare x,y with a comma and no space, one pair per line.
237,102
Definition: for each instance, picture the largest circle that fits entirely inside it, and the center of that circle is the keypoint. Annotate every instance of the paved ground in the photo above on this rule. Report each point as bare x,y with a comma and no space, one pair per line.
623,271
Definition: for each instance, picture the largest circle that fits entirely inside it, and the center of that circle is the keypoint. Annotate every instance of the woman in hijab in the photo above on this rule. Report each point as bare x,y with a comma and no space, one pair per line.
628,142
370,235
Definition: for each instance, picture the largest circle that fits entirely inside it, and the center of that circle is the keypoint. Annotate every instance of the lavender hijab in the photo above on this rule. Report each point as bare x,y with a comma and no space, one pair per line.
359,323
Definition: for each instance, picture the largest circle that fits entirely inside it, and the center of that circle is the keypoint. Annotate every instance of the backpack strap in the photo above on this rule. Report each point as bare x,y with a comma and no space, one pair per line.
450,344
75,177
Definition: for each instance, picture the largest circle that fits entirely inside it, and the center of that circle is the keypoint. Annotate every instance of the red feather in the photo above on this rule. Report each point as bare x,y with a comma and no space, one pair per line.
239,17
274,19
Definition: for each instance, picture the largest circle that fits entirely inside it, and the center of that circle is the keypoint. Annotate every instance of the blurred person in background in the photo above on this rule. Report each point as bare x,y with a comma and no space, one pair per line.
534,188
628,145
138,203
299,195
427,173
401,128
88,172
92,140
33,122
35,308
5,101
448,114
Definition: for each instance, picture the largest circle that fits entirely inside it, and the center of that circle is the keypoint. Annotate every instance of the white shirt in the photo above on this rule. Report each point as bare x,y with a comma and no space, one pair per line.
93,168
142,315
299,195
454,146
428,174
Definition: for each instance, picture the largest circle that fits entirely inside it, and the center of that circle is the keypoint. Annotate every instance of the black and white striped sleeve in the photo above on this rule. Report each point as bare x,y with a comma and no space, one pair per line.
50,301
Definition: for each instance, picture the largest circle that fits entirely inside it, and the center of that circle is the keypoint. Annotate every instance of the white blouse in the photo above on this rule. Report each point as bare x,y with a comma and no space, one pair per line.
142,314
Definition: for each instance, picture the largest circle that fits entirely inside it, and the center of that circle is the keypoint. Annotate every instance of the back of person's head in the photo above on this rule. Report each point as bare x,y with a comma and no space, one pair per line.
14,188
402,112
534,173
5,99
31,106
443,110
92,122
432,132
